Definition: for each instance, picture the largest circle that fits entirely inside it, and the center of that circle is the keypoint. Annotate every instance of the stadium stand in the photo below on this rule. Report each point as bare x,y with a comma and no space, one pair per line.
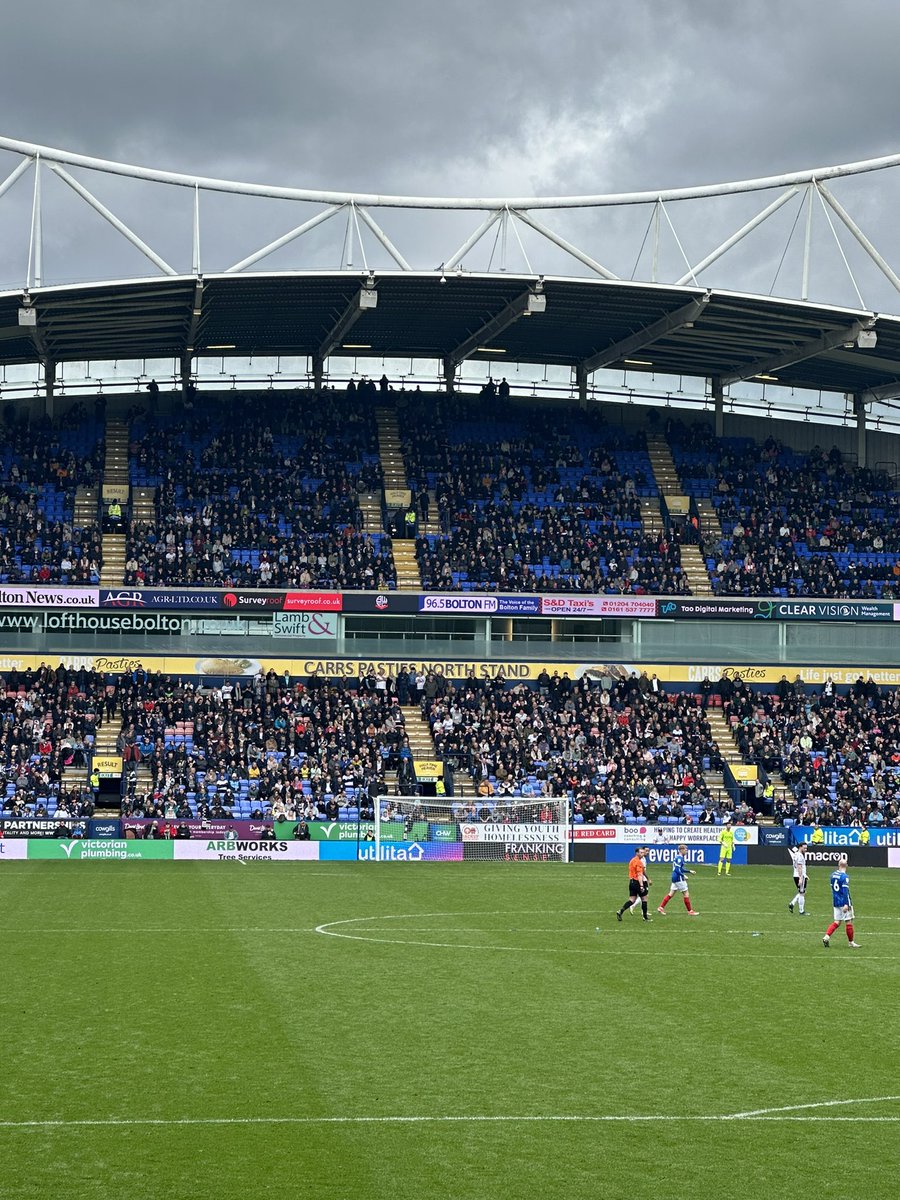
265,493
48,722
44,466
266,747
838,750
529,502
792,524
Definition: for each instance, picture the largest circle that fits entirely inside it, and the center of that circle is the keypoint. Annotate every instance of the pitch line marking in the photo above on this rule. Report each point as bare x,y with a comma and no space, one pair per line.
328,929
788,1112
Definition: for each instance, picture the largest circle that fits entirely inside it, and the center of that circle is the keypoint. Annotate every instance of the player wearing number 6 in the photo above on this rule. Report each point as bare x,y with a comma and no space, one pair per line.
680,873
843,905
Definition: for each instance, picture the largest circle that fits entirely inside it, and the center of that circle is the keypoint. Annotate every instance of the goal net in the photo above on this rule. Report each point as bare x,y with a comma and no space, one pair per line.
414,828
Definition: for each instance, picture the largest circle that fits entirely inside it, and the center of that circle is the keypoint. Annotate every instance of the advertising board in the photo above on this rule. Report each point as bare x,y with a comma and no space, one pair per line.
13,848
308,625
14,596
247,851
821,856
704,852
598,606
639,835
848,835
80,850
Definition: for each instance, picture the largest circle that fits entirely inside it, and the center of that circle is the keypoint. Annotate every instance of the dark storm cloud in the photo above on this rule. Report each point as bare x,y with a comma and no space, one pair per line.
446,98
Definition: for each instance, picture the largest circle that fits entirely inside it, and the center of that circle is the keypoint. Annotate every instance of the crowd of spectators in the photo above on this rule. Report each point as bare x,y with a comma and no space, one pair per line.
792,524
265,493
43,463
269,746
619,749
48,721
838,751
527,502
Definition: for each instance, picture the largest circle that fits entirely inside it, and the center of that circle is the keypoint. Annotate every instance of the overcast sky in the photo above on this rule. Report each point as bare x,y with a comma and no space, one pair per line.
455,97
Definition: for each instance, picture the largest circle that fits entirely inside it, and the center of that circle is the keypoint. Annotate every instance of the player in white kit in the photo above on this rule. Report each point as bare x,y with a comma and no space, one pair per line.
798,863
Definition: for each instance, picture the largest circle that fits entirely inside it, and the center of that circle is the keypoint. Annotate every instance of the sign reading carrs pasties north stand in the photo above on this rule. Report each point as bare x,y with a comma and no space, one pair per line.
224,666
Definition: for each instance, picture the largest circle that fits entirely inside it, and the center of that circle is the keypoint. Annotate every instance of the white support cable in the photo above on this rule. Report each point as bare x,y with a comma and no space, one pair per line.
807,240
118,225
383,238
285,239
515,230
195,248
687,261
837,240
504,230
35,256
569,248
472,240
15,174
741,233
347,251
654,270
876,258
359,237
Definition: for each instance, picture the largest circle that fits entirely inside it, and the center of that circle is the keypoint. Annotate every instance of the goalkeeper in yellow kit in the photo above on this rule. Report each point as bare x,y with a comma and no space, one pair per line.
726,848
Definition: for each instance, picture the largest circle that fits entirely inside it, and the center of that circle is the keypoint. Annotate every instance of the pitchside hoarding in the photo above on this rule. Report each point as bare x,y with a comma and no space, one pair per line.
247,851
821,856
847,835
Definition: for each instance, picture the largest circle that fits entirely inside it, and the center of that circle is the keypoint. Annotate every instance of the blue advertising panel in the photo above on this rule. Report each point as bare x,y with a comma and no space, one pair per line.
391,851
704,854
848,835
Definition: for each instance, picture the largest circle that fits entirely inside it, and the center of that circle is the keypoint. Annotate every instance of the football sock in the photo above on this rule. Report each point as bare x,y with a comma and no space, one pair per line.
644,907
831,928
666,900
849,928
687,901
801,903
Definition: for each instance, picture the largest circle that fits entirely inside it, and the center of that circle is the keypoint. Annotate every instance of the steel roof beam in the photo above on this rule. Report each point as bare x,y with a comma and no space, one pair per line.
196,314
799,352
646,337
365,300
529,303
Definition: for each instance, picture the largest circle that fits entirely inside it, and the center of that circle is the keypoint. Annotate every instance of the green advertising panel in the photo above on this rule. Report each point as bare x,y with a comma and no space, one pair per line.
71,849
350,831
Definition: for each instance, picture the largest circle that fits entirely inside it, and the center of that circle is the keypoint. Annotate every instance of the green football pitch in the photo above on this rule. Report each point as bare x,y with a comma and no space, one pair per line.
471,1030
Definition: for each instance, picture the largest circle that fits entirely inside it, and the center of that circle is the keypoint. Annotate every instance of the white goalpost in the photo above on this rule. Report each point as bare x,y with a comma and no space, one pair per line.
444,829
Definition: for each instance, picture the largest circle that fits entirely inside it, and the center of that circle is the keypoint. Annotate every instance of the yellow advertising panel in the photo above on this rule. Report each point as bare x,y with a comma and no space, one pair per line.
428,770
233,666
107,766
743,773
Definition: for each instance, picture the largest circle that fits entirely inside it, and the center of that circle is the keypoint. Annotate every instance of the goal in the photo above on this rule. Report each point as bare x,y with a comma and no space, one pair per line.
413,828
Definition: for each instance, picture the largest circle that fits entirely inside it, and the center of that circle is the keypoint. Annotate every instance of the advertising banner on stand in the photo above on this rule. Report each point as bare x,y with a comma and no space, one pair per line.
13,849
34,827
249,830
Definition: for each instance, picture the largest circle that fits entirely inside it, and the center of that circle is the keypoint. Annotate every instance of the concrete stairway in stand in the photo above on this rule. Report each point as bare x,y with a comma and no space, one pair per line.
409,578
724,735
115,481
669,483
420,740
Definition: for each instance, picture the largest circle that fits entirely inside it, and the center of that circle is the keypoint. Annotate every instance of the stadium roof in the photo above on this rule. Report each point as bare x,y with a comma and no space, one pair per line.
590,323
